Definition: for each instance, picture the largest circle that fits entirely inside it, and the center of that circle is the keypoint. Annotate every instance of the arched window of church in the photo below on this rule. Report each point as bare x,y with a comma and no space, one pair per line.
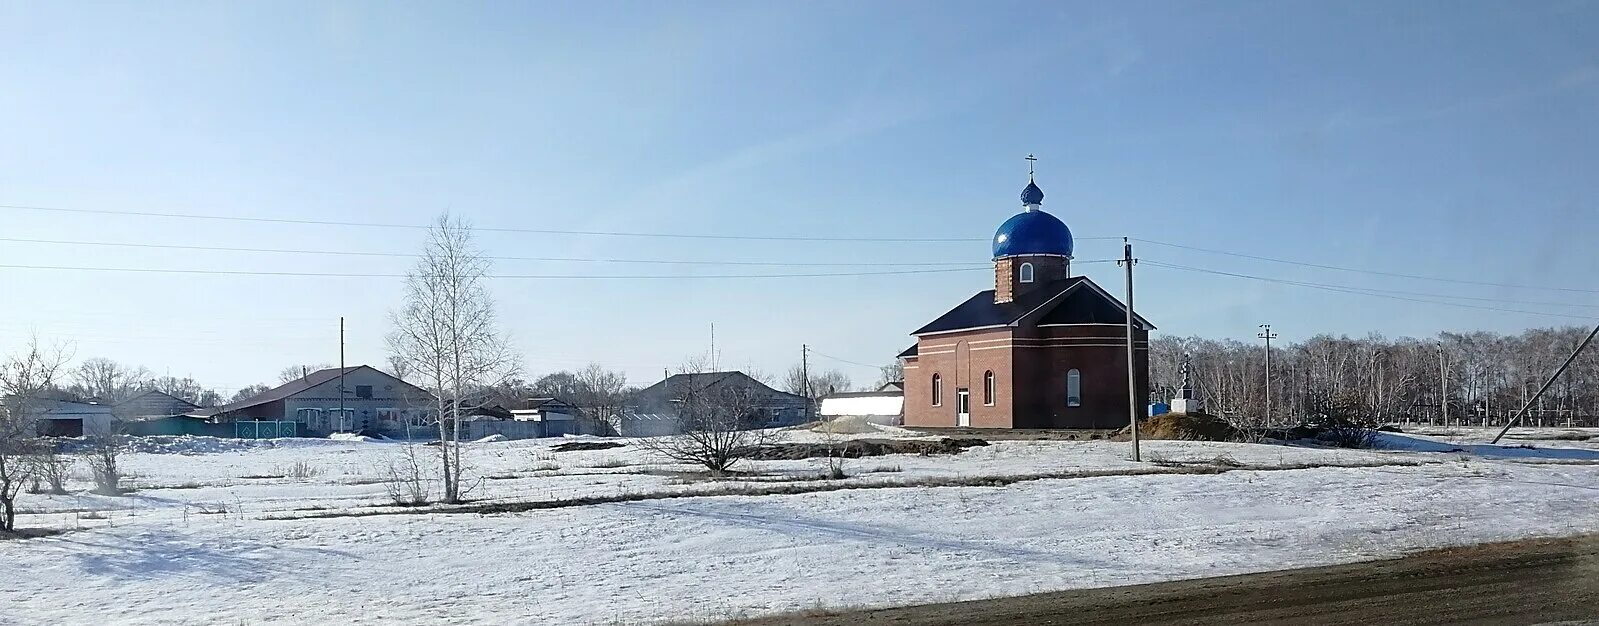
1074,388
988,388
1027,272
938,390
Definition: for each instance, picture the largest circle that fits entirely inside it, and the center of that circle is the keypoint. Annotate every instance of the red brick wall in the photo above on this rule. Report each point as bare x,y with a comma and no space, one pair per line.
960,359
1007,274
1029,366
1099,354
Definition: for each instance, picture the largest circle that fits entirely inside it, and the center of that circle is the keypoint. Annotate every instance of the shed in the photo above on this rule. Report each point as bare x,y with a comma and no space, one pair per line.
64,418
636,424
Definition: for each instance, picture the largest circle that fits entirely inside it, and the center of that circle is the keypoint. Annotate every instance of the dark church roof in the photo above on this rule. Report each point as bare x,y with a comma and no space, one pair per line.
1075,300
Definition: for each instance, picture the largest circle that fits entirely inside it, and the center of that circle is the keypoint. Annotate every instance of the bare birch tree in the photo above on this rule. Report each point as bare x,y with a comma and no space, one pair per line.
448,336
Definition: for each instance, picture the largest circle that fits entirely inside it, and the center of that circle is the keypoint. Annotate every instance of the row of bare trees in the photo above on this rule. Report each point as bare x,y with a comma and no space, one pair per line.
1478,376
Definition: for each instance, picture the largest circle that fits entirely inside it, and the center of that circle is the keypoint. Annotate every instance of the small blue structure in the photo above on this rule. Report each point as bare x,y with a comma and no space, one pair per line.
1158,408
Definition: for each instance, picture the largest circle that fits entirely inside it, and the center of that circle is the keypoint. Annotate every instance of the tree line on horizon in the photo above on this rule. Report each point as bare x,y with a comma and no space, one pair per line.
1477,375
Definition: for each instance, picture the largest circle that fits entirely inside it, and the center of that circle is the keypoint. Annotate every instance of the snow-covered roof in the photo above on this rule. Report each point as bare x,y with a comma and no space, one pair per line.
886,403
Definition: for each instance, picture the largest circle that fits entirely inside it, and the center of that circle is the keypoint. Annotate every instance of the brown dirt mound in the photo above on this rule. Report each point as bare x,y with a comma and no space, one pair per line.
1183,427
861,448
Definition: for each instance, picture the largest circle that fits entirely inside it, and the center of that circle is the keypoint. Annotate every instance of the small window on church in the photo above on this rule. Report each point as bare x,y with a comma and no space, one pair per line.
938,390
1027,272
1074,388
988,388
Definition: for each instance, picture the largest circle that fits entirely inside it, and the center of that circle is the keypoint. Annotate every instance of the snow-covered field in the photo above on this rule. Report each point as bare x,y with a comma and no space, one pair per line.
217,530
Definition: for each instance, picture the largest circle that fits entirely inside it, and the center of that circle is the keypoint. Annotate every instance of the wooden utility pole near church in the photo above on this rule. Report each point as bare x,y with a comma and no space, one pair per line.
1133,405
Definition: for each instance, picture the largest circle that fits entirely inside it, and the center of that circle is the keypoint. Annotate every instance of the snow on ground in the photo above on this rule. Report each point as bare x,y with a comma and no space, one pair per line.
197,543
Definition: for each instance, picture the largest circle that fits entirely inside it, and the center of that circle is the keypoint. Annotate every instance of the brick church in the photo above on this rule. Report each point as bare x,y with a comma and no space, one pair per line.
1042,349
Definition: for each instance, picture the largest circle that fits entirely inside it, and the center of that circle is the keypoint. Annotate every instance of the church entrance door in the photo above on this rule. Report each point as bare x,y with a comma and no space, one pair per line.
963,407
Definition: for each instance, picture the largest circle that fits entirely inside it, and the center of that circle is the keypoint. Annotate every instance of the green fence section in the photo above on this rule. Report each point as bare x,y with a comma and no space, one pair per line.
264,430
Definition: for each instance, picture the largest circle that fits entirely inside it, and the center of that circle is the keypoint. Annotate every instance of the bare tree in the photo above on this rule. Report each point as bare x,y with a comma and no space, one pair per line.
601,392
821,383
24,377
399,368
245,393
185,388
447,334
716,421
296,372
891,373
106,380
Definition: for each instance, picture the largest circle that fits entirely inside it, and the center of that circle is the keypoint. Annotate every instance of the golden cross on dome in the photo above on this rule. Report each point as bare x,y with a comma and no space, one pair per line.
1030,160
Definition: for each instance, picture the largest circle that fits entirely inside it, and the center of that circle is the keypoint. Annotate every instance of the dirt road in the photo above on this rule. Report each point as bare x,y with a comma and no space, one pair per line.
1524,582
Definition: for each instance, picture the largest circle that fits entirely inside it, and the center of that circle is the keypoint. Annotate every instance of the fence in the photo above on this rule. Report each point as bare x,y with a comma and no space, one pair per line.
264,430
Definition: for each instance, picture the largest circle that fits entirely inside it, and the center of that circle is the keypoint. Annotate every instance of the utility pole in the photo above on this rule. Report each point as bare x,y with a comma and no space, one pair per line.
1133,405
1265,333
341,370
1537,397
805,376
1443,386
713,346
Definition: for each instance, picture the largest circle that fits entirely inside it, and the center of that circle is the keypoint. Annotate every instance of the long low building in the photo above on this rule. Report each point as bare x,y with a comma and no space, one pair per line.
352,400
878,407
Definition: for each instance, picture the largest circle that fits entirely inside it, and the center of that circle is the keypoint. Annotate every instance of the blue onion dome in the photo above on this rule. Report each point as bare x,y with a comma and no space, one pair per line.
1031,194
1033,232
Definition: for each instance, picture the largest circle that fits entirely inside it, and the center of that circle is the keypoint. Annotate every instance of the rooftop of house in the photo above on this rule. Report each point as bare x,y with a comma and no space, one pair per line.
295,387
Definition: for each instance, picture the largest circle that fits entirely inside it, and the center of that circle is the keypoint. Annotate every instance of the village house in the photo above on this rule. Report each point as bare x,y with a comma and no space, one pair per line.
1042,349
152,404
349,400
555,417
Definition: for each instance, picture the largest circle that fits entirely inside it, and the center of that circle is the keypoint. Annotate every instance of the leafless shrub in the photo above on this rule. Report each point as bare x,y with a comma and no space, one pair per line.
609,462
51,469
717,425
406,479
203,508
101,456
1350,436
299,470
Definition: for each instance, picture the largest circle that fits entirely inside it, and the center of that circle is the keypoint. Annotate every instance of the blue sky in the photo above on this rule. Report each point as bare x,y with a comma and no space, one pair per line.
1450,139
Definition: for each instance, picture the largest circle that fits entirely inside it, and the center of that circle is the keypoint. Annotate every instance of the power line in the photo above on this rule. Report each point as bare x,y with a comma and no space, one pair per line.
1361,271
1387,291
507,276
845,361
496,258
536,231
1373,293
